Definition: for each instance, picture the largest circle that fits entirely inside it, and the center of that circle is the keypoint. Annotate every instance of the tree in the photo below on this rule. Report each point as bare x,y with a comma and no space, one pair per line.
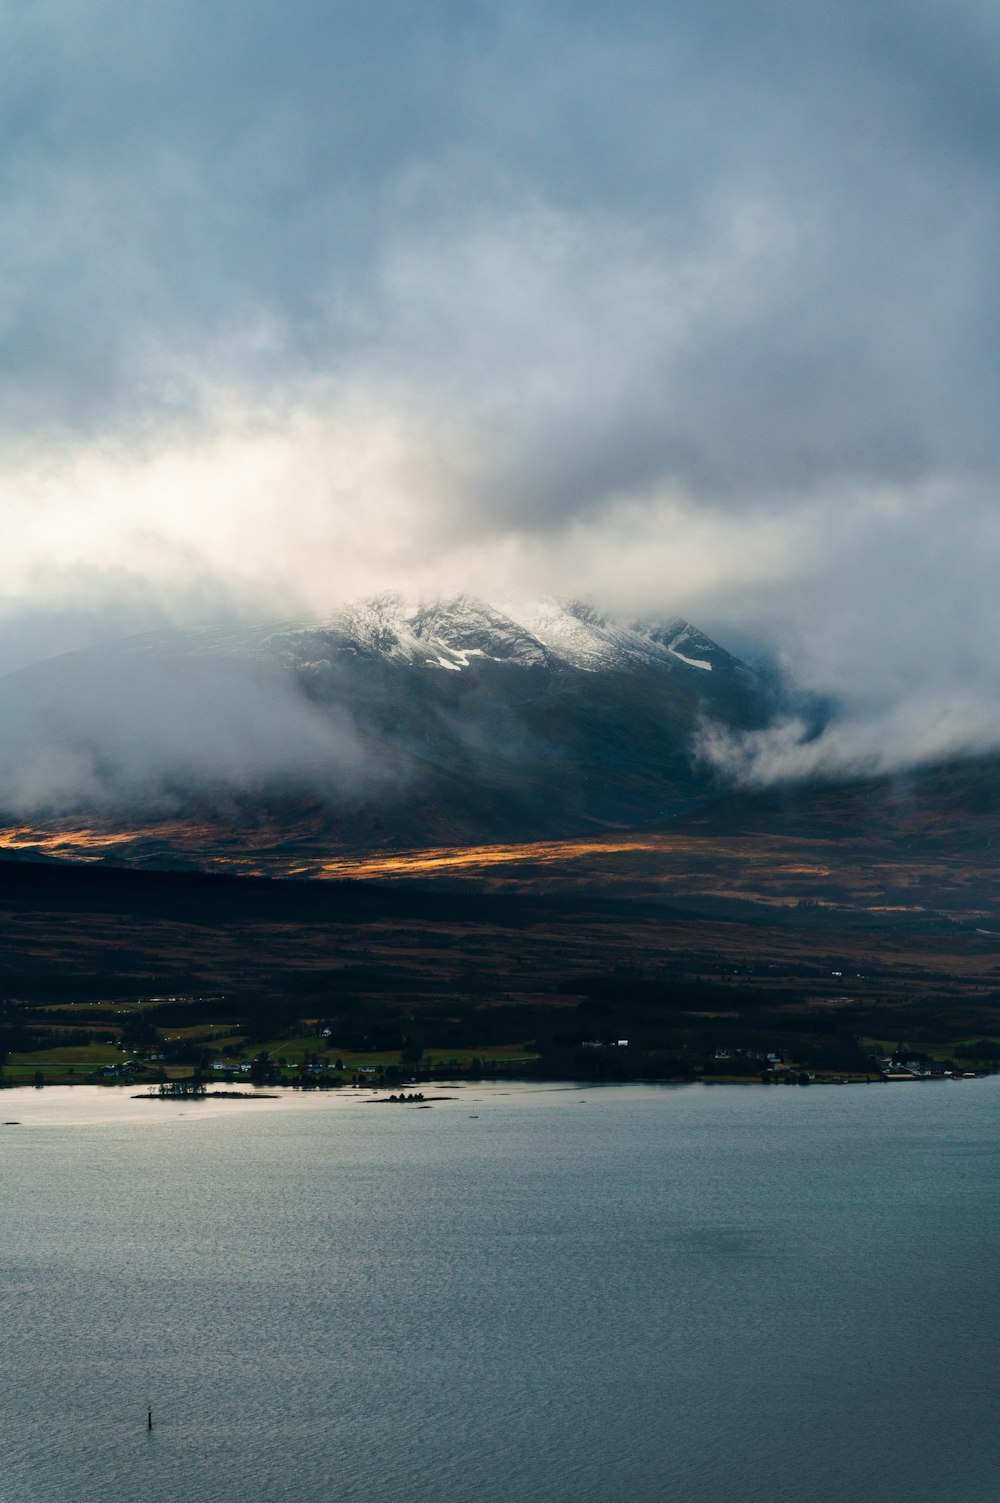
262,1071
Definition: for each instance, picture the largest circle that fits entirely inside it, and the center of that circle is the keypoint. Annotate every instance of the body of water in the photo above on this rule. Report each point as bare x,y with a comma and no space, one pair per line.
580,1294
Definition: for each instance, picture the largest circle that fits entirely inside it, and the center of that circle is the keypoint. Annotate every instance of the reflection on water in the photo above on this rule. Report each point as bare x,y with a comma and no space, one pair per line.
88,1106
566,1293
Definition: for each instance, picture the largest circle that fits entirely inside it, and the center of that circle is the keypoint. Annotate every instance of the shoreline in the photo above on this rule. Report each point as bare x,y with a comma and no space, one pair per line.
185,1092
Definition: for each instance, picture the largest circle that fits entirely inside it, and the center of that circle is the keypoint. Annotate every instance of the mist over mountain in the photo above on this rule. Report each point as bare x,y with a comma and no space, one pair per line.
387,722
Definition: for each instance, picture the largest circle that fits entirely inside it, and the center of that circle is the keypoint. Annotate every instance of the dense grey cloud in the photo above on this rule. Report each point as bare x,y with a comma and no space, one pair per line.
689,307
747,247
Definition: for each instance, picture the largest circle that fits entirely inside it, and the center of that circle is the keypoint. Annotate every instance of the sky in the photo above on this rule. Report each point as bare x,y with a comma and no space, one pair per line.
685,308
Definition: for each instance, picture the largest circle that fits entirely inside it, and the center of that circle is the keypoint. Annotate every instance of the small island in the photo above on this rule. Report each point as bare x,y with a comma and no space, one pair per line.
188,1089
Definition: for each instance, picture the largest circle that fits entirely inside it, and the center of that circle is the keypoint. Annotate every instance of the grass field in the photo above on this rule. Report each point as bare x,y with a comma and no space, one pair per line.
83,1064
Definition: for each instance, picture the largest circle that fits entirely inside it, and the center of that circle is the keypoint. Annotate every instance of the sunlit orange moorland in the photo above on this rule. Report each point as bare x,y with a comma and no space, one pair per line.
884,872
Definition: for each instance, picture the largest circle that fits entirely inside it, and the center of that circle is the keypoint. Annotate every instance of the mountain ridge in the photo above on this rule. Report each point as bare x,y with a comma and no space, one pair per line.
401,721
543,633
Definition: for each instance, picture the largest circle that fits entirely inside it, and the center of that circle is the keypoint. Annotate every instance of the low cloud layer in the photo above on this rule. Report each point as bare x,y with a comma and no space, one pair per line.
155,733
687,309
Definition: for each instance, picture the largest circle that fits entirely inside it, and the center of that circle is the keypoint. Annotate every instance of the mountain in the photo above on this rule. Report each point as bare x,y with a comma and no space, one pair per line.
388,723
941,809
454,635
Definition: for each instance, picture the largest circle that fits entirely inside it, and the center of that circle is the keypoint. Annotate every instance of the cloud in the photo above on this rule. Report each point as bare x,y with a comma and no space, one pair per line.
747,251
686,308
902,736
147,730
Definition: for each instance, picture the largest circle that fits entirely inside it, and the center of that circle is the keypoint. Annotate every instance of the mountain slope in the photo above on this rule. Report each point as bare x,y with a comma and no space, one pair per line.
388,723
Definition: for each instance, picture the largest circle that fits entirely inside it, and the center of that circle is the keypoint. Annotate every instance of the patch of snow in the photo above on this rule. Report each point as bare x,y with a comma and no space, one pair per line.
691,662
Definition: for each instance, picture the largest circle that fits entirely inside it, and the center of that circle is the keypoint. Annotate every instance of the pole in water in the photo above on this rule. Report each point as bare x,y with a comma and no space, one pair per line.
149,1419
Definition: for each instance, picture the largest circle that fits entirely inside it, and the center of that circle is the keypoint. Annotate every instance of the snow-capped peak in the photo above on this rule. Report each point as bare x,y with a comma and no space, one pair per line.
453,634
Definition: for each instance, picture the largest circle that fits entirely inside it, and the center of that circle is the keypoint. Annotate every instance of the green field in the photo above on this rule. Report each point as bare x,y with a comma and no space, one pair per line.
82,1064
